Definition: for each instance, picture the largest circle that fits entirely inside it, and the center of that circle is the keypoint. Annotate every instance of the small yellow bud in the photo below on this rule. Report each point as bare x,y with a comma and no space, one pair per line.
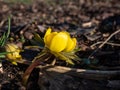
14,51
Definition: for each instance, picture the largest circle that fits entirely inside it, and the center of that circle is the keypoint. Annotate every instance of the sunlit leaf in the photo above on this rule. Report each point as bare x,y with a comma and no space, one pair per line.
5,36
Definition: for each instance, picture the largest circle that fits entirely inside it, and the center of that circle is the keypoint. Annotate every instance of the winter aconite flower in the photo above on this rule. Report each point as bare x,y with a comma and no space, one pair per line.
58,44
13,52
59,41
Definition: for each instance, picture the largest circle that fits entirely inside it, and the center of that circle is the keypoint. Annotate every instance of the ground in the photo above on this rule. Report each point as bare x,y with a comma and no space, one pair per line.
90,21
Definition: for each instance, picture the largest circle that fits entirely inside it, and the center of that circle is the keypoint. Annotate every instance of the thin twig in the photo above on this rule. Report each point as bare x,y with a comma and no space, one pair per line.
109,38
101,45
109,43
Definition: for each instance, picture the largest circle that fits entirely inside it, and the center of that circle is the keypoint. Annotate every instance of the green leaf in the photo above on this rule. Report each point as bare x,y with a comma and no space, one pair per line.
34,43
71,55
9,23
5,36
63,57
22,39
2,40
2,56
37,40
4,53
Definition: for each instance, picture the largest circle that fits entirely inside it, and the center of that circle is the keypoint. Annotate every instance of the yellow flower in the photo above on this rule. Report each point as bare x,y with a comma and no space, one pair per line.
14,51
59,41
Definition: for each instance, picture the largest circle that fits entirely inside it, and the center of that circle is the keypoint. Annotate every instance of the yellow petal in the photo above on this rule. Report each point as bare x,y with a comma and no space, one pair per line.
14,52
66,33
14,63
9,48
13,46
59,42
70,45
16,55
10,57
48,32
49,37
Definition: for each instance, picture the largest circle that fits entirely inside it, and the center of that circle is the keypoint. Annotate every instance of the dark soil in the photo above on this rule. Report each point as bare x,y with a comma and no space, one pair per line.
90,21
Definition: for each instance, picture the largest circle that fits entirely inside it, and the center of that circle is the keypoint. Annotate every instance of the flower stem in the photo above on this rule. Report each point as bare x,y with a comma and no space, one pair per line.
36,62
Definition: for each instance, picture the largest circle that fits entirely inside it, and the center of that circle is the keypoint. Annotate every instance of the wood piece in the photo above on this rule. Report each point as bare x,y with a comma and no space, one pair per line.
83,73
80,73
